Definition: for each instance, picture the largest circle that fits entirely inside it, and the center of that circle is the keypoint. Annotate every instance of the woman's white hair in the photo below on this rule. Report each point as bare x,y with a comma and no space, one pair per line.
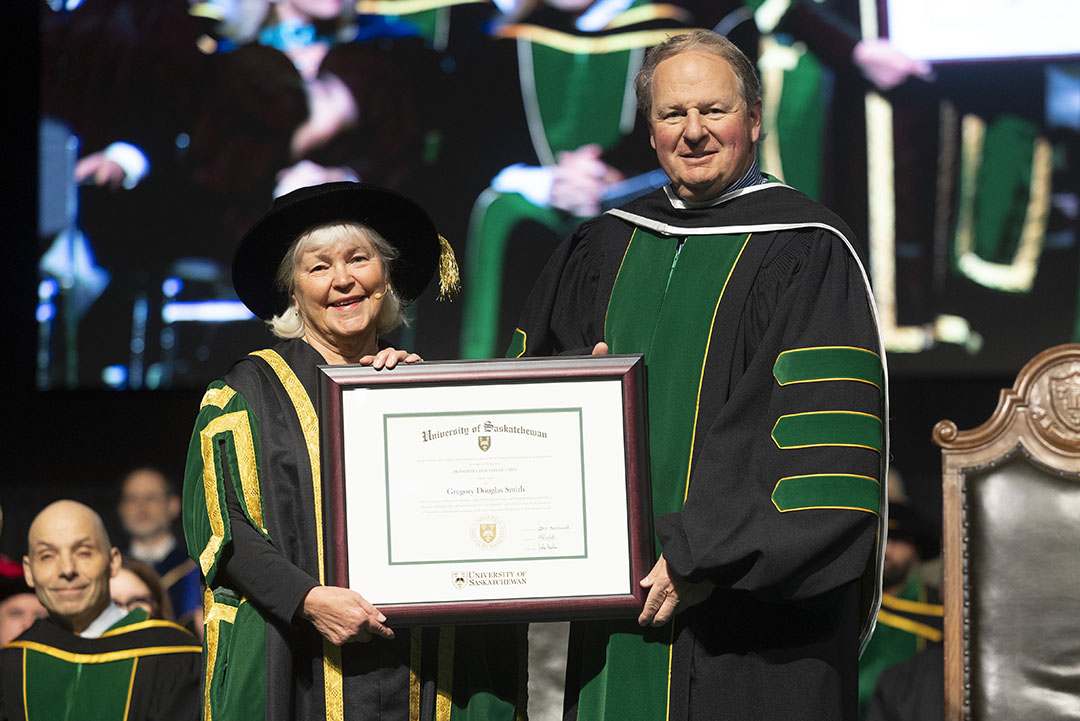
290,323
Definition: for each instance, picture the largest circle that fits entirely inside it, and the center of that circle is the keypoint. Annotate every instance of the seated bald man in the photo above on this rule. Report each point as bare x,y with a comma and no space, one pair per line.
90,659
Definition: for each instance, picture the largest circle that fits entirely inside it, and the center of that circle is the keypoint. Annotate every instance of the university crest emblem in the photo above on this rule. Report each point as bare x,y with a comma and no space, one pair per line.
1065,398
484,442
488,532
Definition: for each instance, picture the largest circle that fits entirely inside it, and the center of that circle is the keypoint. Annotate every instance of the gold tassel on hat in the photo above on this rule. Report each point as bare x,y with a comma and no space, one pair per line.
449,274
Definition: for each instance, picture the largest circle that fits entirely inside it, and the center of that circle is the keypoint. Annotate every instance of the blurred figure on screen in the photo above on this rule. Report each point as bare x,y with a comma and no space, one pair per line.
297,101
568,143
119,84
942,167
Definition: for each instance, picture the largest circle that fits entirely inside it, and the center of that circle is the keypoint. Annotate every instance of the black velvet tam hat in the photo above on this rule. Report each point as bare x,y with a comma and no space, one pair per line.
404,224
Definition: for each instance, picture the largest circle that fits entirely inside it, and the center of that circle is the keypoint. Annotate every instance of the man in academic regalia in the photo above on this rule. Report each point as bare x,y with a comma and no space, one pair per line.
90,659
766,411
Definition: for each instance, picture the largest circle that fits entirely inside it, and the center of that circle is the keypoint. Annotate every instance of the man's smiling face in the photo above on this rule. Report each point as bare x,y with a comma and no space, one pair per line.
700,125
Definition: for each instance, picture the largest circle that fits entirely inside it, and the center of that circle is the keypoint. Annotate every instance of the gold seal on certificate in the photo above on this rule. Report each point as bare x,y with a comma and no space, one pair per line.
488,531
516,495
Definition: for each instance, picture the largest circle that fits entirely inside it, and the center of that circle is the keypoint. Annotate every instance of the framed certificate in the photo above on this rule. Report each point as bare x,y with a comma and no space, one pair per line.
488,491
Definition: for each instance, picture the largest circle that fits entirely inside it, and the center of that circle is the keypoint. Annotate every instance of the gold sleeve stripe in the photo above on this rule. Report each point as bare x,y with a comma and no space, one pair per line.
246,462
102,657
906,624
152,623
217,397
309,425
213,501
920,607
579,45
215,613
416,655
237,424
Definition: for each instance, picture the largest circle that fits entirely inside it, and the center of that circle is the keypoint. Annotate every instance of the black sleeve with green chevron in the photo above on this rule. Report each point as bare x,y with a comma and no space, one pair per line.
783,490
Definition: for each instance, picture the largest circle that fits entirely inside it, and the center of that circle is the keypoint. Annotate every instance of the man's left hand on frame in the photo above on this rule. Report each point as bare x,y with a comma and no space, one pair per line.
669,594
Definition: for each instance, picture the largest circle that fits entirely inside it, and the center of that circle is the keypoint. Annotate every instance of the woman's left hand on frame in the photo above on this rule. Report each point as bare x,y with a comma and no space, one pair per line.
388,358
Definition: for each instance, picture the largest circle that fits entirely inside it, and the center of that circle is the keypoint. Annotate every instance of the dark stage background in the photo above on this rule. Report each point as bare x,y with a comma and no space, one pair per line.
115,384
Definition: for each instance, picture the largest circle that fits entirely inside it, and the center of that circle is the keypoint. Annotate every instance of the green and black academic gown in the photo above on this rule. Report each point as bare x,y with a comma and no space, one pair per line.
136,670
253,521
767,444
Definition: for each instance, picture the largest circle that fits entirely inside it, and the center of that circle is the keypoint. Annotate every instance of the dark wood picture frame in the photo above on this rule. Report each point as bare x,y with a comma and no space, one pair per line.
629,370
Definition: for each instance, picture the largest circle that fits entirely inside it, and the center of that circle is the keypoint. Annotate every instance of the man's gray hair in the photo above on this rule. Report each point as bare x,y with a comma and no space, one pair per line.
699,41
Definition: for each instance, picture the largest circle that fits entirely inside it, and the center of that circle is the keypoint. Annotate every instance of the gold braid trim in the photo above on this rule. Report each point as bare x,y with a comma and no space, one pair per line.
444,683
236,424
416,650
449,273
309,424
213,614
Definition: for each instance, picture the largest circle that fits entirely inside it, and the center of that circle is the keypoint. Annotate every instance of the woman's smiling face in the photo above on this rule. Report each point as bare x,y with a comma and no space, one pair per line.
338,288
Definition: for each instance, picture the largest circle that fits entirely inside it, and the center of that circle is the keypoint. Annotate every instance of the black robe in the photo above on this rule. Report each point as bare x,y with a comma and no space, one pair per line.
767,444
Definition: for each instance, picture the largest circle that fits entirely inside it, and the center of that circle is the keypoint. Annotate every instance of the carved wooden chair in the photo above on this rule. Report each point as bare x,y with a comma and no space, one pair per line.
1012,550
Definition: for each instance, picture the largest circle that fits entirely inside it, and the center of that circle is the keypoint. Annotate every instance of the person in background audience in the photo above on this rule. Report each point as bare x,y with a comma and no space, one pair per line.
19,607
149,505
90,659
137,585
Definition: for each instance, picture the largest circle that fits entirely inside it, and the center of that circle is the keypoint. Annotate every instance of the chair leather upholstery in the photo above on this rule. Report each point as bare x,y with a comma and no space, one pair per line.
1023,569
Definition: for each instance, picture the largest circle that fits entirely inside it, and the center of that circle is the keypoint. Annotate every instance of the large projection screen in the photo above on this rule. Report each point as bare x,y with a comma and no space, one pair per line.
966,30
